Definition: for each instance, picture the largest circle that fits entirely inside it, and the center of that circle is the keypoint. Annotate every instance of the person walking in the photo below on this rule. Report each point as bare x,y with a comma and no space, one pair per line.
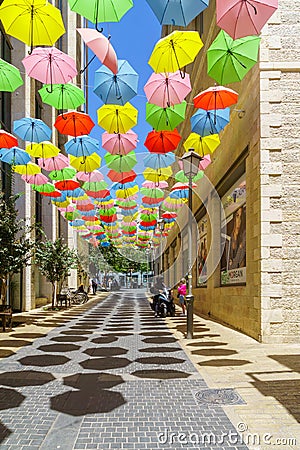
181,294
94,286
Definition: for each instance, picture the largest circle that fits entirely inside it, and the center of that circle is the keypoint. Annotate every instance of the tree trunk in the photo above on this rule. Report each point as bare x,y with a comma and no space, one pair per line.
3,289
53,294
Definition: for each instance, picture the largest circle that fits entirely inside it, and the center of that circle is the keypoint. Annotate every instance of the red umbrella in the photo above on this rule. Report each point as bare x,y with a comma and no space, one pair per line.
74,123
7,140
85,207
216,97
122,177
98,194
67,185
54,194
162,141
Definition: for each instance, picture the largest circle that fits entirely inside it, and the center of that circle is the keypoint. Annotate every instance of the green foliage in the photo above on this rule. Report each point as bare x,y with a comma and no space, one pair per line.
117,260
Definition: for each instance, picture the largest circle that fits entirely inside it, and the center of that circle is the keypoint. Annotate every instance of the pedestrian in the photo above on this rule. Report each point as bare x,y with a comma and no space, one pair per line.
94,286
181,294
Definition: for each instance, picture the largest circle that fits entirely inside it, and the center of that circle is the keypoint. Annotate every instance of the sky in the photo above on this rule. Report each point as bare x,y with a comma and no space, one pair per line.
133,39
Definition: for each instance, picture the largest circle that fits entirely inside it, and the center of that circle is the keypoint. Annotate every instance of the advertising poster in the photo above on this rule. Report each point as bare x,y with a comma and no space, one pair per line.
233,261
202,253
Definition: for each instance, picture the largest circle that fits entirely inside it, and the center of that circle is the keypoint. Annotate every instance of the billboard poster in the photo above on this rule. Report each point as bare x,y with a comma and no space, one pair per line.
202,253
233,261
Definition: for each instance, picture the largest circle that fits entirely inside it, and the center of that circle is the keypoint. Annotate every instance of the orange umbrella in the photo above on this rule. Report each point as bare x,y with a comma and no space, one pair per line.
216,97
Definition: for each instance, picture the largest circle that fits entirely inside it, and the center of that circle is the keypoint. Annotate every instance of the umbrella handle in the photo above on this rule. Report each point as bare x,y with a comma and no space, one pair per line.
51,89
91,60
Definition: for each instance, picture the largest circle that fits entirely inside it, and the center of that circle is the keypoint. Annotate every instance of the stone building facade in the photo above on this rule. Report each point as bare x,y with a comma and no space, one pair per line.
257,164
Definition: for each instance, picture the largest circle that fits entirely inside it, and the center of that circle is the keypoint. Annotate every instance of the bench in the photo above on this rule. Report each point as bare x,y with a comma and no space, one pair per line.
6,316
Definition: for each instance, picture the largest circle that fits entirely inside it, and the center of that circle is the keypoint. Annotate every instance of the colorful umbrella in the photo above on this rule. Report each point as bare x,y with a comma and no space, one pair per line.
229,60
49,65
202,145
42,150
7,140
240,18
82,146
14,156
66,185
45,188
86,163
175,51
205,162
118,88
117,119
101,46
182,178
162,141
159,161
122,177
216,97
119,144
32,130
56,163
177,12
35,22
167,89
101,10
157,175
36,179
94,185
91,176
121,163
27,169
165,118
209,122
64,174
151,185
74,123
10,77
62,96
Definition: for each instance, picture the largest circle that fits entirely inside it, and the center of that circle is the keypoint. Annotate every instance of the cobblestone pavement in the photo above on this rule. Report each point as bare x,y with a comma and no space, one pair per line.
109,376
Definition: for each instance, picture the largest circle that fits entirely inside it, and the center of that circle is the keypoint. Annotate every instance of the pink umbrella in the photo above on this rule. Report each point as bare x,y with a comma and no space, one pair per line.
37,179
90,176
202,165
167,89
50,65
240,18
119,143
153,185
55,163
101,46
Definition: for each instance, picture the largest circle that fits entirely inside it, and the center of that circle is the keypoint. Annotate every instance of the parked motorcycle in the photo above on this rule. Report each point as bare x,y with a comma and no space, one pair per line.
163,303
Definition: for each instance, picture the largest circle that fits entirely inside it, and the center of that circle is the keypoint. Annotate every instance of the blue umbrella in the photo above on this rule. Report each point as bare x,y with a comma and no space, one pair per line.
117,186
75,193
179,193
148,228
209,122
159,161
116,89
82,146
91,213
77,223
104,244
32,130
177,12
14,156
61,199
129,212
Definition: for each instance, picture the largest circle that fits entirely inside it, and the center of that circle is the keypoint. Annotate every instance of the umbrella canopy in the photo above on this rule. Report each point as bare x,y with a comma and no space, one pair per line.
62,96
42,150
120,143
35,22
209,122
101,10
122,177
55,163
165,118
82,146
7,140
202,145
182,178
177,12
121,163
74,123
229,60
101,46
216,97
86,163
175,51
47,188
205,161
162,141
89,177
118,88
240,18
167,89
32,130
27,169
151,185
94,185
14,156
36,179
67,185
157,175
159,161
117,119
10,77
64,174
49,65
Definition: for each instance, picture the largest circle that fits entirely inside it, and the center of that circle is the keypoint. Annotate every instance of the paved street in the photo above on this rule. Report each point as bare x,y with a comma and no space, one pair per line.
108,375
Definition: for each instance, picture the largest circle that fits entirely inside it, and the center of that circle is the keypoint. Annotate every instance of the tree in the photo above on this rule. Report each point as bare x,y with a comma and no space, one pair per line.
16,245
55,259
120,262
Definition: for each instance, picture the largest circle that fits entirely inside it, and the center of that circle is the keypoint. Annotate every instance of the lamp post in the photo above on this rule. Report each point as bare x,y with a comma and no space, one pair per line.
147,276
161,224
190,162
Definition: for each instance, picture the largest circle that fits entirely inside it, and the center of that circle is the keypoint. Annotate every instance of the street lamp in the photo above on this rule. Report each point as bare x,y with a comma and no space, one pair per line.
147,276
190,162
161,225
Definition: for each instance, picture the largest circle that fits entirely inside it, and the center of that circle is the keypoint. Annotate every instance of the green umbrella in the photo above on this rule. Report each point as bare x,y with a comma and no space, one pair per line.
101,10
10,78
165,118
94,185
121,163
107,212
72,215
47,188
152,193
229,60
148,217
64,174
182,178
62,96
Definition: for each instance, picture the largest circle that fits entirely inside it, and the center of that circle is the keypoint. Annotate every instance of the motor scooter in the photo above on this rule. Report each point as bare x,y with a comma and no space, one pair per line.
163,303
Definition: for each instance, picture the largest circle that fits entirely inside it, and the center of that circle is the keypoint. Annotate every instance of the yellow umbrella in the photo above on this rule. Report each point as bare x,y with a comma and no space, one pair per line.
27,169
175,51
86,163
61,204
157,175
130,218
117,118
35,22
124,193
202,145
42,150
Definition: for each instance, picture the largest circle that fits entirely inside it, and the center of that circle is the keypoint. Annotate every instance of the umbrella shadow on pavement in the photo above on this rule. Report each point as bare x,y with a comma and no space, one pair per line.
44,360
59,348
105,363
25,378
4,432
106,351
9,398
